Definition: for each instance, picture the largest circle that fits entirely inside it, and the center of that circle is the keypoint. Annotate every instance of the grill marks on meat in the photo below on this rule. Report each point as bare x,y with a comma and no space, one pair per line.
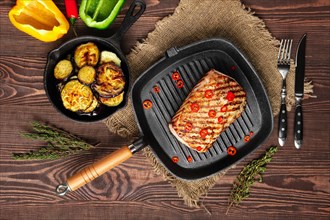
219,85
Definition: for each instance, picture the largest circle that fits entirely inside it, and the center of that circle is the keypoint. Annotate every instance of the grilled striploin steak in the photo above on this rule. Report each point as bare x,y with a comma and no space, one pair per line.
212,105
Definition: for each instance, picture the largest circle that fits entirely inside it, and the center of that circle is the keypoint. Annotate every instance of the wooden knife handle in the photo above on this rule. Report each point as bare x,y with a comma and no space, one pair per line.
282,124
298,127
98,168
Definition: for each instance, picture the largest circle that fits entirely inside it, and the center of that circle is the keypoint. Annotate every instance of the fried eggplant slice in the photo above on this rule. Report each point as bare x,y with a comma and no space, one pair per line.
93,106
63,69
110,80
107,57
76,96
112,101
87,75
86,54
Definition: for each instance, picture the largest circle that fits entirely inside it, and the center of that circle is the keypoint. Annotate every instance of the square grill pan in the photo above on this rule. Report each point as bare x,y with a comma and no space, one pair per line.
192,62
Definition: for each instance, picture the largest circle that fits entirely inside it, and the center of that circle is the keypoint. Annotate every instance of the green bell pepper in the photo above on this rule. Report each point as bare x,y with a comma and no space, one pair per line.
99,13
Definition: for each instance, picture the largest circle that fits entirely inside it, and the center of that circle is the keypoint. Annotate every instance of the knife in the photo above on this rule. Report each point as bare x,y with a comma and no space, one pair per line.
299,92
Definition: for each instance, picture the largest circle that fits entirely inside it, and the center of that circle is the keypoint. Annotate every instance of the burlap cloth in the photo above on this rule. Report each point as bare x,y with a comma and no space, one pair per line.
195,20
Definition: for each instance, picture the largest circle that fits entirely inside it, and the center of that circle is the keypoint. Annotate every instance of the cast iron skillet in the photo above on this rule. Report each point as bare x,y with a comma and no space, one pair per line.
111,44
192,62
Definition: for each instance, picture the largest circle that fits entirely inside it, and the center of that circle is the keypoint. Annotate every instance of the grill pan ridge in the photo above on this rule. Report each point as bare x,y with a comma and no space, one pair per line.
192,62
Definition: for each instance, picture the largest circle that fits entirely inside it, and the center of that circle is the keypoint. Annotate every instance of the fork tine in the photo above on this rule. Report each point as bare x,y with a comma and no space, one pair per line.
289,50
284,53
283,49
280,51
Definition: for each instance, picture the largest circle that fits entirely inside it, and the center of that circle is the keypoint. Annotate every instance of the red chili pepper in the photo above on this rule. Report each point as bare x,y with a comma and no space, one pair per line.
147,104
176,76
189,158
251,133
203,133
71,10
230,96
208,94
194,107
231,151
212,113
179,83
199,148
188,126
175,159
246,138
220,120
224,108
156,89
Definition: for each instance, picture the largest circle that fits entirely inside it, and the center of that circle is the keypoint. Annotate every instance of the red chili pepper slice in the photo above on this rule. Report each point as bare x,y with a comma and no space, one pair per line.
203,133
188,126
175,159
189,159
176,76
231,150
230,96
220,120
147,104
156,89
212,113
194,107
224,108
247,138
251,133
179,84
199,148
208,94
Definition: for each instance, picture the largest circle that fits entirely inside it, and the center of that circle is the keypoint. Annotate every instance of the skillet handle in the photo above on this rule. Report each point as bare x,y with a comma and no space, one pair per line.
130,18
95,170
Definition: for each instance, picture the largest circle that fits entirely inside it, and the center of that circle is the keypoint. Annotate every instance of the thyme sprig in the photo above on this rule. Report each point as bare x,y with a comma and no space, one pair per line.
59,143
250,173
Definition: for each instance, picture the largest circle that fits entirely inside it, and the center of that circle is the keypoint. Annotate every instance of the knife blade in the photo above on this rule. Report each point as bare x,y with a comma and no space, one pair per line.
299,91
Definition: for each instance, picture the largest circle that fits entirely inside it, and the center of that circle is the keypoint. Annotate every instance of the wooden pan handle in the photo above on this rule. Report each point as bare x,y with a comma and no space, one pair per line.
95,170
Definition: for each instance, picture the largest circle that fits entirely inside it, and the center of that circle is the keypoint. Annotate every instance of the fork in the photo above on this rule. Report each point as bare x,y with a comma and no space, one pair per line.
283,65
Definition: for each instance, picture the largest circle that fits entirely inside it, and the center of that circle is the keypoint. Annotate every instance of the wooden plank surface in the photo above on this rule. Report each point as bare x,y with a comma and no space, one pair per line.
296,185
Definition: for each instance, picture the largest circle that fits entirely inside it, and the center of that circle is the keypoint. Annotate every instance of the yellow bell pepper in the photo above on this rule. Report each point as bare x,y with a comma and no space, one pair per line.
40,19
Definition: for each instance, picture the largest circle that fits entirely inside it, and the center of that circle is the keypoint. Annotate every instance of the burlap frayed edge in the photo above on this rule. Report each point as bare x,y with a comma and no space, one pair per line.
116,126
308,89
308,93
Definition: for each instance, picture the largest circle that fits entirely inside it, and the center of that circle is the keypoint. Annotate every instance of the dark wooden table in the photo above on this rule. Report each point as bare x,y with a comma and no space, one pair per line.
296,185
